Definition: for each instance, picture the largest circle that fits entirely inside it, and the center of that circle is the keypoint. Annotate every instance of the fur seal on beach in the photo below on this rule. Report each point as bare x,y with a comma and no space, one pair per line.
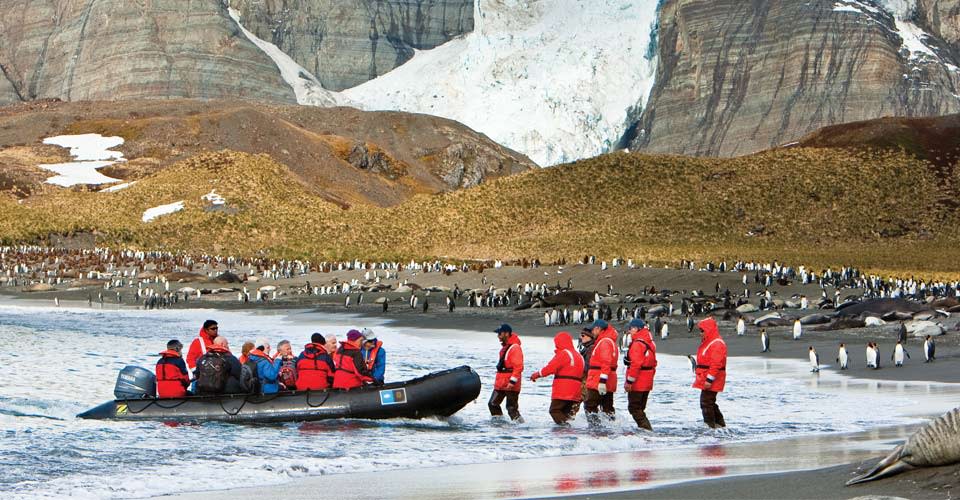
882,308
814,319
935,444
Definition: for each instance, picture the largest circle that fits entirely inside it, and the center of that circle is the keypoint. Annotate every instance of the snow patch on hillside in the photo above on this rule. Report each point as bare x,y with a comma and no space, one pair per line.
152,213
306,86
553,79
91,152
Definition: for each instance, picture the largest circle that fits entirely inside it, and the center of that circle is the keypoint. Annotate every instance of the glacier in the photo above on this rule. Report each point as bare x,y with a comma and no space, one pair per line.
553,79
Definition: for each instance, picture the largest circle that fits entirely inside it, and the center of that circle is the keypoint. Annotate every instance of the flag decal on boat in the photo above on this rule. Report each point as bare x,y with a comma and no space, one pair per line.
393,396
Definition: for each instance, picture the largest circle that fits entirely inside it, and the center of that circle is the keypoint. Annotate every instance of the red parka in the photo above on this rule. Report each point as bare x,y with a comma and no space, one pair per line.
198,347
315,368
351,368
566,368
510,365
172,377
603,361
711,358
643,362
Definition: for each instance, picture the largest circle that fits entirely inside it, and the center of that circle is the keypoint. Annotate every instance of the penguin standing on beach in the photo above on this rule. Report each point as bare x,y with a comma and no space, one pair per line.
741,327
764,341
693,362
797,330
871,355
929,349
898,353
664,331
56,301
814,360
876,356
346,301
690,323
842,357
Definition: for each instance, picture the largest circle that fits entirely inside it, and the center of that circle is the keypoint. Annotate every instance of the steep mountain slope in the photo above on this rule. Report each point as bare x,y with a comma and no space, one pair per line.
736,77
343,155
347,42
113,49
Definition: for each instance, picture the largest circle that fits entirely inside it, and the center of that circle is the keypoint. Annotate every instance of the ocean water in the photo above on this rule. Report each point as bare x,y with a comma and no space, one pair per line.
58,362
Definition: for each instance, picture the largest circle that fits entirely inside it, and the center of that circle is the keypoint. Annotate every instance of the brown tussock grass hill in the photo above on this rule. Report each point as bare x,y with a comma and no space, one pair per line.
818,207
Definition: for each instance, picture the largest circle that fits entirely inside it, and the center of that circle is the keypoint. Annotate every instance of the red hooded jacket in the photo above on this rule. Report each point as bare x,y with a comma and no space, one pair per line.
172,377
603,361
315,369
510,365
711,358
197,349
643,362
566,368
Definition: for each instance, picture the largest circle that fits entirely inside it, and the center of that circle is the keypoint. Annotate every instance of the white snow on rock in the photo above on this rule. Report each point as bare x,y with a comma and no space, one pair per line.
553,79
839,7
306,86
152,213
118,187
214,198
92,151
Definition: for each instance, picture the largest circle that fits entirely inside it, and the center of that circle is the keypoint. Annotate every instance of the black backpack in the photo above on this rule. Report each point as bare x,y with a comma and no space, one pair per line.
249,377
213,370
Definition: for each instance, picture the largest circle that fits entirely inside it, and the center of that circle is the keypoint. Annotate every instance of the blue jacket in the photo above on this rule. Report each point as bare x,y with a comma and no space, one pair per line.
379,364
267,370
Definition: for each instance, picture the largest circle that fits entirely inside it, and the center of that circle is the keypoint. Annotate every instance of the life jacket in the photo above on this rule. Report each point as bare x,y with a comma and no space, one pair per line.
213,370
603,361
566,368
509,365
198,347
314,370
642,366
351,370
711,358
267,371
172,382
372,355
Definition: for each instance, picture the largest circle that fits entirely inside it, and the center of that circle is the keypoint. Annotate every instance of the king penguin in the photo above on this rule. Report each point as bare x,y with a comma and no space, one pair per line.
898,353
693,362
797,330
842,357
664,331
814,360
929,349
764,341
741,327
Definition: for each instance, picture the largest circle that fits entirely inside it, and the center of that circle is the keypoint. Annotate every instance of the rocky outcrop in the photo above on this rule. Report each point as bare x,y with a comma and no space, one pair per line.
347,42
115,49
737,76
941,18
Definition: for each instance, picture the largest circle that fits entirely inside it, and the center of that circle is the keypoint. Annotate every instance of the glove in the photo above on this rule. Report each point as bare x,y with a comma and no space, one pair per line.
602,388
627,387
534,377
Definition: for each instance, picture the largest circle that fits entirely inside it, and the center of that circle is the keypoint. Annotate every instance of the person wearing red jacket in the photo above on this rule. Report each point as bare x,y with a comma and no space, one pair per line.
506,385
602,370
315,368
351,368
172,376
711,371
202,343
641,362
567,370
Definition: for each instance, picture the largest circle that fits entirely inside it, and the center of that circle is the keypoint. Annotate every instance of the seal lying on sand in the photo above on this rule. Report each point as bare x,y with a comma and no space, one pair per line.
935,444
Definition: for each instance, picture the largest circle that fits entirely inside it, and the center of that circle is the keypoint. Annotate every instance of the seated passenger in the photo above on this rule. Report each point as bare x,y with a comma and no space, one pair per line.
172,377
374,355
352,371
245,351
288,366
219,371
267,368
314,365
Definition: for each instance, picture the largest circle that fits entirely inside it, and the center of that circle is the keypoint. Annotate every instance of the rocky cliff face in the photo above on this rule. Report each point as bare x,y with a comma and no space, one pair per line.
347,42
115,49
739,76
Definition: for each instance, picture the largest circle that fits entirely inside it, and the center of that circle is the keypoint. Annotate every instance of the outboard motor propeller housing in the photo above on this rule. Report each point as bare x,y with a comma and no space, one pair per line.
135,382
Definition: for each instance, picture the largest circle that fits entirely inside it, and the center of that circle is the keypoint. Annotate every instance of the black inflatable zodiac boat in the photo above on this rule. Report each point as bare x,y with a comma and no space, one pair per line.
439,394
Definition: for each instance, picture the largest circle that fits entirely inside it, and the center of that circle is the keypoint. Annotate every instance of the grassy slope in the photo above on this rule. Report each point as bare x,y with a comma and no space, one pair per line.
819,207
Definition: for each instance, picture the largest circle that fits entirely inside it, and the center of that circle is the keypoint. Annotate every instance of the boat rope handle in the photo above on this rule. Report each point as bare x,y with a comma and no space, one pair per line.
325,398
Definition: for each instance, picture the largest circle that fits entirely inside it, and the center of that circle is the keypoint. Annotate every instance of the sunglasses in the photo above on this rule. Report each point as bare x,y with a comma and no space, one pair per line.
213,328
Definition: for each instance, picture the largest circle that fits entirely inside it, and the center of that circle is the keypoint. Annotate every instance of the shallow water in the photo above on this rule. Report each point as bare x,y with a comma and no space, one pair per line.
59,362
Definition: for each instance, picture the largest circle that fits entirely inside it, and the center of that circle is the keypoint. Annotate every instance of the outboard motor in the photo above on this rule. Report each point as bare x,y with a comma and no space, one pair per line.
134,382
